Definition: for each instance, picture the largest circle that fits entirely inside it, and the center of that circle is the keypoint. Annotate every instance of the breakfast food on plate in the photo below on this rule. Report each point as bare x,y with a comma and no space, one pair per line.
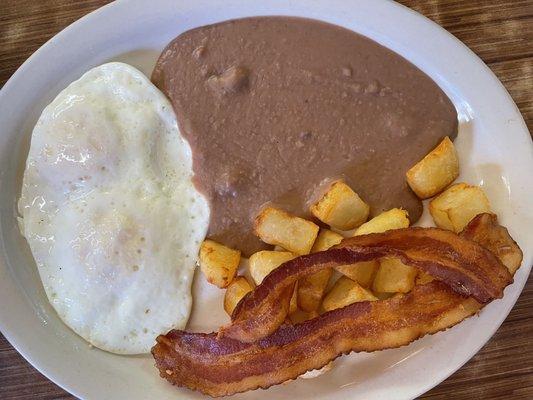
236,290
277,227
469,272
391,219
393,276
345,292
273,106
218,263
312,287
300,144
264,262
435,171
341,208
457,205
412,246
109,210
313,161
364,272
485,230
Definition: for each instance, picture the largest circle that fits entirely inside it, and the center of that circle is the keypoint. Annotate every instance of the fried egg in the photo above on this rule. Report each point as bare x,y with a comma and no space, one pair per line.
110,212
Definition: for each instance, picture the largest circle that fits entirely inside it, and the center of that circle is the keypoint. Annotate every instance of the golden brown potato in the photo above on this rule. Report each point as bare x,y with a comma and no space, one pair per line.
394,276
311,288
345,292
325,240
395,218
422,278
236,290
456,206
263,262
218,263
341,207
435,171
279,228
362,272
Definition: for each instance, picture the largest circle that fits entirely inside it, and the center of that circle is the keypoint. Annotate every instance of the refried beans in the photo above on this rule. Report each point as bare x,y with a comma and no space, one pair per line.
276,107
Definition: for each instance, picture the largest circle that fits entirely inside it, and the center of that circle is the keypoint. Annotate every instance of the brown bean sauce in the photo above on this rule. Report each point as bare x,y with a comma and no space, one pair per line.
273,107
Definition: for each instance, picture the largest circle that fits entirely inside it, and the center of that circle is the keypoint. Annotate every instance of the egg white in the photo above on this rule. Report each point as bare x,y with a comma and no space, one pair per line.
109,210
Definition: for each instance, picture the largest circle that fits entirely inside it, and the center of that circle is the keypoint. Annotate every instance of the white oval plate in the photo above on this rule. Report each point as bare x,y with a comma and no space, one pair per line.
494,146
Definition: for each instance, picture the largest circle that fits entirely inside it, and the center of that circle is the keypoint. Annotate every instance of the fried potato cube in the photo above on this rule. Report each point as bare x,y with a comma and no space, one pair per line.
345,292
236,290
325,240
422,278
435,171
279,228
362,272
456,206
218,263
394,276
341,207
263,262
395,218
311,288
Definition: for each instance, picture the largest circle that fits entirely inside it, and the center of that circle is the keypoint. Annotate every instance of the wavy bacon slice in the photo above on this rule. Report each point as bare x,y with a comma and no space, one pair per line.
485,230
465,266
219,367
224,366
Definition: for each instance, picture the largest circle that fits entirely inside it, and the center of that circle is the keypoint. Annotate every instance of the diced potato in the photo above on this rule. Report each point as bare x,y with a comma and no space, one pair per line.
345,292
277,227
362,272
395,218
235,292
422,278
435,171
263,262
218,263
300,316
325,240
311,288
394,276
456,206
341,207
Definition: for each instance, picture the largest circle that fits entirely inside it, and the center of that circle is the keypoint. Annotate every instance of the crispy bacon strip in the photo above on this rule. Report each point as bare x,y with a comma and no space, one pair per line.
224,366
219,367
485,230
465,266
